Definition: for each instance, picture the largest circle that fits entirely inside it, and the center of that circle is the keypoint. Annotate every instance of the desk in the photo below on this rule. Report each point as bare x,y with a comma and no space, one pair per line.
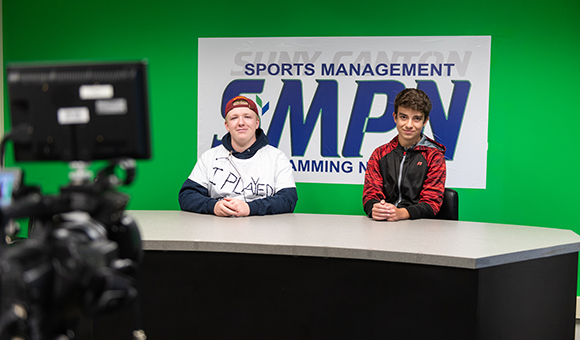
305,276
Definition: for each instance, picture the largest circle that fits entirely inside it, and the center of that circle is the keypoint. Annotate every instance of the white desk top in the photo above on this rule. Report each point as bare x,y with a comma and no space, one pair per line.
433,242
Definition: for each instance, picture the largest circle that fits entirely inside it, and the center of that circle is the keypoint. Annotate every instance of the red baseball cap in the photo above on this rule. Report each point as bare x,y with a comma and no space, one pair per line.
247,103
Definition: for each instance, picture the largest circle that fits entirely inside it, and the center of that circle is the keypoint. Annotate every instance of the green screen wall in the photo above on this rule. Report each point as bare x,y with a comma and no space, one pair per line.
533,112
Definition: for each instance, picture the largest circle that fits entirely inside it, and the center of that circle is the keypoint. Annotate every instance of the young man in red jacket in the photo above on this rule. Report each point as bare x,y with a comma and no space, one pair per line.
405,178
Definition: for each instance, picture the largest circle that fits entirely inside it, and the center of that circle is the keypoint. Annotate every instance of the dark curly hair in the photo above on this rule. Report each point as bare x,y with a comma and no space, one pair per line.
413,99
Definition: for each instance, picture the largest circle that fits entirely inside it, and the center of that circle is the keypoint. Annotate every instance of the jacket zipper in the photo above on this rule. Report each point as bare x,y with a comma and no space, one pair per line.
400,178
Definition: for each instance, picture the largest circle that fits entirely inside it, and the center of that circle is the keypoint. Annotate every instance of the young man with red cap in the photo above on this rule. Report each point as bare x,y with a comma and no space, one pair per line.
243,176
405,178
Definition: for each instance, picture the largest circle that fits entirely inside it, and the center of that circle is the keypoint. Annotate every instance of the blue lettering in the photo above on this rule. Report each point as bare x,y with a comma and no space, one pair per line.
382,69
283,69
328,70
395,70
448,68
317,167
348,168
409,69
362,167
446,130
341,69
354,69
303,166
273,73
309,69
249,69
298,68
423,69
436,70
323,166
368,69
334,166
324,105
286,68
360,123
259,68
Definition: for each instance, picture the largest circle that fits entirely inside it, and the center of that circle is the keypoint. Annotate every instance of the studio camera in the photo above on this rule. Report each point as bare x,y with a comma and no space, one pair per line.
83,254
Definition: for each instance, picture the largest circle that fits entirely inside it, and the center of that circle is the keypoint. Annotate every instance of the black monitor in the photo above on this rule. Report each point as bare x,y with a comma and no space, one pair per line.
79,111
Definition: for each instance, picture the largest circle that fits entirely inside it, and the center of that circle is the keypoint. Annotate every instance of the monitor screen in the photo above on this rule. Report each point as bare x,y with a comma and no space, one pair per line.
79,111
9,182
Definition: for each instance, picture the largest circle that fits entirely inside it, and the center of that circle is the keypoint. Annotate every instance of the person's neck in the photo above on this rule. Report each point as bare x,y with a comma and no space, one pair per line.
241,148
407,145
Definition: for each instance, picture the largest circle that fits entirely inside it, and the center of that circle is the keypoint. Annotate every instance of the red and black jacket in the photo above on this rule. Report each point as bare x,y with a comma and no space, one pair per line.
411,178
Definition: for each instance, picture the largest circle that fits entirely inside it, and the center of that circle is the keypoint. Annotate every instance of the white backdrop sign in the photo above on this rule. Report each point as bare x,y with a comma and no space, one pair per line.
327,102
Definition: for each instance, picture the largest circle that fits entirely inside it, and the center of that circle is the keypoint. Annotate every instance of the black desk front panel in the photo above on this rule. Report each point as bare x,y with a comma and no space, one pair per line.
207,295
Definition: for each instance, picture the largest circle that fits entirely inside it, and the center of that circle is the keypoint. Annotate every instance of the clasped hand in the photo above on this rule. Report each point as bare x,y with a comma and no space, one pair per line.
231,207
387,211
